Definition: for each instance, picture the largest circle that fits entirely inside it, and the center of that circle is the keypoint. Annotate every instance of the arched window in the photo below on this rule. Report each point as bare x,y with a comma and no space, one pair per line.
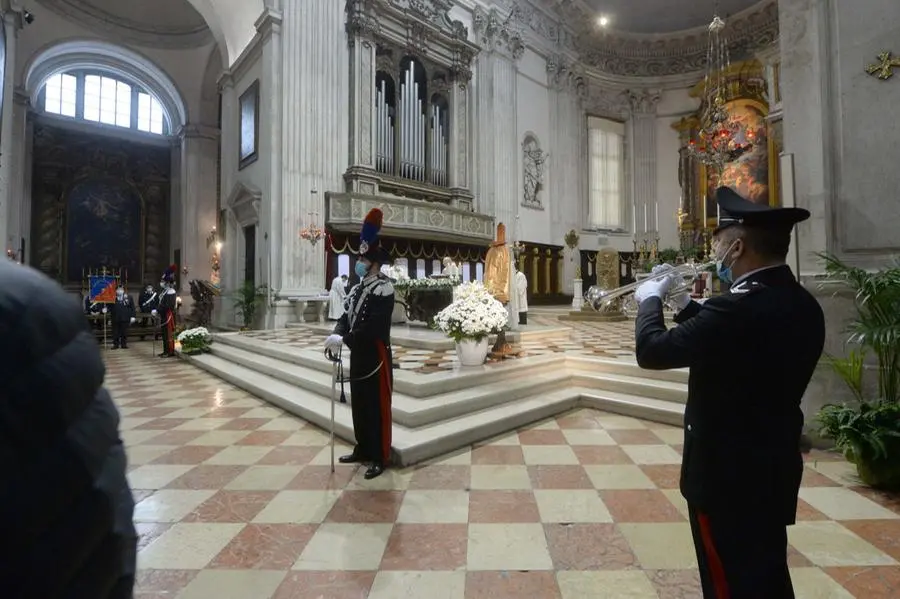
97,97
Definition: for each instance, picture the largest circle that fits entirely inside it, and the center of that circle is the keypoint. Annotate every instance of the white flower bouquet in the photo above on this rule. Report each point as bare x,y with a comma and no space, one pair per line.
428,283
194,341
474,314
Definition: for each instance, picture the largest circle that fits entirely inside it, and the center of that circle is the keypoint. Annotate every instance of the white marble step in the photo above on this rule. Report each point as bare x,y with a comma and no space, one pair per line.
409,411
632,385
415,445
409,383
592,364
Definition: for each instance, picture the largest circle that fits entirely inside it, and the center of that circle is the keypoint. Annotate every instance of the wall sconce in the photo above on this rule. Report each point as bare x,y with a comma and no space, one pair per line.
12,255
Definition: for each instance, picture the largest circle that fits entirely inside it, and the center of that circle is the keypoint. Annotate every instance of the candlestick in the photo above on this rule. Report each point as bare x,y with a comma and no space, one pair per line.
634,219
645,218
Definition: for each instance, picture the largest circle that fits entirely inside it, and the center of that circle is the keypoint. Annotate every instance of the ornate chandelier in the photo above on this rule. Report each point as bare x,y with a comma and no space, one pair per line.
312,232
720,140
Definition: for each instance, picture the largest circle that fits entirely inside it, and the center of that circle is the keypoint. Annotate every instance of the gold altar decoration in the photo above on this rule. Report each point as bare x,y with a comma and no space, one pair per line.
496,267
607,268
884,69
754,174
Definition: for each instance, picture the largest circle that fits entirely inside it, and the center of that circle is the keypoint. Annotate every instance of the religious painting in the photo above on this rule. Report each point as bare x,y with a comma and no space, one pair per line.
98,201
104,221
749,175
249,142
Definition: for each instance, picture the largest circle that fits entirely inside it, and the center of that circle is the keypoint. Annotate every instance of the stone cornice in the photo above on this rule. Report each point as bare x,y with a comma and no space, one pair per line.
128,31
667,55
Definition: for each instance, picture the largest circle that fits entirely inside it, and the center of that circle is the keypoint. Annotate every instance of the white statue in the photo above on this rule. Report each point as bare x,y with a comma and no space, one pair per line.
336,297
522,296
450,268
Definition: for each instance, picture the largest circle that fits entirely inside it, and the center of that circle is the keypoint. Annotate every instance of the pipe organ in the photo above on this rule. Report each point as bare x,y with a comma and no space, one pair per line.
412,127
385,117
412,135
439,143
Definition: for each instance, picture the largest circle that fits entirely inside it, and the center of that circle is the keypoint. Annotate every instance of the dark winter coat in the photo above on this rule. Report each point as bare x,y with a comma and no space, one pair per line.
65,506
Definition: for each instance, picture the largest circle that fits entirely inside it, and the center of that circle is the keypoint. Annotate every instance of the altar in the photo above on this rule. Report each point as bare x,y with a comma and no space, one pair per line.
423,303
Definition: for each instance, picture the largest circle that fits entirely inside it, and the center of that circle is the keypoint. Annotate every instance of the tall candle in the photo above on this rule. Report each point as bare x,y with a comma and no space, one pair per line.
633,218
656,217
645,219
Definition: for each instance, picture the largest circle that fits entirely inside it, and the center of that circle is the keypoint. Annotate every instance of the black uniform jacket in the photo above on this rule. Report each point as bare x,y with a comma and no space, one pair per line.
751,354
122,311
366,321
65,506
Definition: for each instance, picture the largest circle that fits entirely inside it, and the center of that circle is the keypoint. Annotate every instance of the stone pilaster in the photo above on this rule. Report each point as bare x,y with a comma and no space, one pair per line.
313,126
484,134
199,152
9,206
504,125
642,151
361,30
461,142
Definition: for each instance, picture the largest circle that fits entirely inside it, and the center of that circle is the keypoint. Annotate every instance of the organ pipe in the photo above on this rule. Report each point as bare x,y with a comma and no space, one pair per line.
384,129
412,128
439,146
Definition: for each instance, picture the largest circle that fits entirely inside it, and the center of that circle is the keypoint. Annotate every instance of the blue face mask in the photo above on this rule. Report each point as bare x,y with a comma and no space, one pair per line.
722,271
361,270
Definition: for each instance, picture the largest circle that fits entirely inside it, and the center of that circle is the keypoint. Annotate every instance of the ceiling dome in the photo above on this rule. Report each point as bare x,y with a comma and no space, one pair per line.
156,23
664,16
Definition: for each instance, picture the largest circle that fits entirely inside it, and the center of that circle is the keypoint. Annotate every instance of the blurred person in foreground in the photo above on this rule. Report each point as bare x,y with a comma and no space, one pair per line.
66,509
751,352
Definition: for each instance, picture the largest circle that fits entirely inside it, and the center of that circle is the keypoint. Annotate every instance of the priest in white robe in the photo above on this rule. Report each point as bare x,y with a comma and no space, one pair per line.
336,297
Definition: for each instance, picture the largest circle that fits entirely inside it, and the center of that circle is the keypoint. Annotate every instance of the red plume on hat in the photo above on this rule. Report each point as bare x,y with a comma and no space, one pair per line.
169,274
371,228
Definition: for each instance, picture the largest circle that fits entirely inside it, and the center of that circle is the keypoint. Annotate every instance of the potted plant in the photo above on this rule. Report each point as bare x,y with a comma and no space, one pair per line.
867,431
194,341
473,316
247,300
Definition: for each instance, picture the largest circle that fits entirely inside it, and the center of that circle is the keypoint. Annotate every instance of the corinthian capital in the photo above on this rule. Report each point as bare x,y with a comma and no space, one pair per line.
361,20
496,32
644,101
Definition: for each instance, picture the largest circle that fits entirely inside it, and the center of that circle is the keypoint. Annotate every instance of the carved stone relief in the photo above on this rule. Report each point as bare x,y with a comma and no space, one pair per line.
608,102
533,161
566,75
644,101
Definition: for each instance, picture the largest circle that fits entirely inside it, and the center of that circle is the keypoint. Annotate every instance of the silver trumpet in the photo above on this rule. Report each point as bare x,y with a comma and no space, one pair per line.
621,299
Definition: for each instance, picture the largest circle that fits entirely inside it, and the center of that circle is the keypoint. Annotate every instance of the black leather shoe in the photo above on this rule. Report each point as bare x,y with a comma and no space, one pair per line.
350,458
374,471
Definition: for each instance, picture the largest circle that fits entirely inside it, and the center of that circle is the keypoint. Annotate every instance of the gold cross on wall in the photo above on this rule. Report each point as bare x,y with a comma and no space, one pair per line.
884,70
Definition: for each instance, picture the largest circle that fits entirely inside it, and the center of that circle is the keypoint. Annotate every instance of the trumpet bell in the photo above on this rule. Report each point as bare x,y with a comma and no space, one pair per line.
621,299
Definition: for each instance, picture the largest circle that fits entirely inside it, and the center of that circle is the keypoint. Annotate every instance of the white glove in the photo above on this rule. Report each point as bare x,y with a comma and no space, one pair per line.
334,343
103,311
153,312
658,288
133,320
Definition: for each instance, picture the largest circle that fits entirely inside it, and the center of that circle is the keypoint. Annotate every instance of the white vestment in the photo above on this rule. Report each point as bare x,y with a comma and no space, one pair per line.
336,299
522,291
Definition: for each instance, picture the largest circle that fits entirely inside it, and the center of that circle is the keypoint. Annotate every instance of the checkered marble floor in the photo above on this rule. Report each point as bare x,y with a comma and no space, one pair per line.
606,340
236,501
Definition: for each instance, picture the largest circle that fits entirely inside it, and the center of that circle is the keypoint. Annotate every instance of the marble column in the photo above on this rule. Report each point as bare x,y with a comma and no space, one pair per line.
199,152
313,126
484,147
21,135
507,184
9,233
642,152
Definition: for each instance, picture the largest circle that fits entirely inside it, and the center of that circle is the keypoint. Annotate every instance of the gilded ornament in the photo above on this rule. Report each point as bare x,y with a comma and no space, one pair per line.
884,69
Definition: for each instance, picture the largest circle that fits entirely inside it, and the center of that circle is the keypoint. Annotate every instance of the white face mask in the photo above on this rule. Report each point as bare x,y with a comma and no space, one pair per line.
120,294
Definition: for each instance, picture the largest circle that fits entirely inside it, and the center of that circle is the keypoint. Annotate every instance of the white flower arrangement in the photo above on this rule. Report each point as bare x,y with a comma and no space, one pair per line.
428,283
398,273
474,314
194,341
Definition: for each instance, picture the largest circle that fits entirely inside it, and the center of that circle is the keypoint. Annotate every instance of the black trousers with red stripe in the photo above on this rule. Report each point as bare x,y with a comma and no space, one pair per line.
370,403
741,556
